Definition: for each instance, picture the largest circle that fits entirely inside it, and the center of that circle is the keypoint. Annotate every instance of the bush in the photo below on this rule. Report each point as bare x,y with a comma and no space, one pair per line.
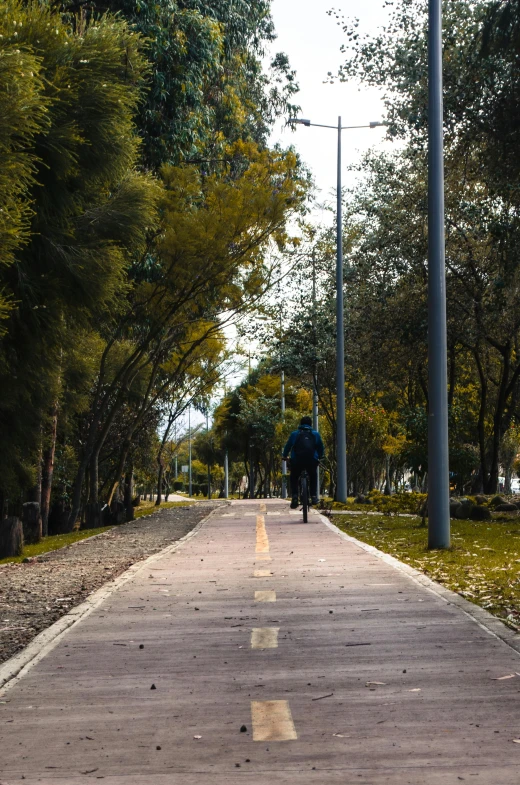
178,485
480,513
497,500
480,499
454,507
399,503
506,507
464,510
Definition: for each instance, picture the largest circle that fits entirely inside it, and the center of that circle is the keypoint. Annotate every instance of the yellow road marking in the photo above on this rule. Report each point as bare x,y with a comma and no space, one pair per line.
263,508
264,637
272,721
262,542
265,596
262,574
262,557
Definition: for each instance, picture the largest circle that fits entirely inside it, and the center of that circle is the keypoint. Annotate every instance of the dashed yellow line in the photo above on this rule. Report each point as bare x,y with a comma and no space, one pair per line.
265,596
262,574
262,541
263,508
264,637
272,721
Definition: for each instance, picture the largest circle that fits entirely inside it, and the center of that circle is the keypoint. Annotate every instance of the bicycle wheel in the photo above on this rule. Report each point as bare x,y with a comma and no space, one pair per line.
304,497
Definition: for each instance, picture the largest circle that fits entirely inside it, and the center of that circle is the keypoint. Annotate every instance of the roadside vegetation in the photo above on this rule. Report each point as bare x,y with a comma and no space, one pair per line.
54,543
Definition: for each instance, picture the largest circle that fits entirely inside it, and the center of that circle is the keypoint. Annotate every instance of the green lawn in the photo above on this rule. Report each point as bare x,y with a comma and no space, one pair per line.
54,542
57,541
482,565
146,508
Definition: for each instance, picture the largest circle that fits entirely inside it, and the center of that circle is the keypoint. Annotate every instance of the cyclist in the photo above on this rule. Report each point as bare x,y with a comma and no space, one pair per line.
305,448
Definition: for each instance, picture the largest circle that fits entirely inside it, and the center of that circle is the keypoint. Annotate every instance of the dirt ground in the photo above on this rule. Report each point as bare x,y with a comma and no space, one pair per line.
35,594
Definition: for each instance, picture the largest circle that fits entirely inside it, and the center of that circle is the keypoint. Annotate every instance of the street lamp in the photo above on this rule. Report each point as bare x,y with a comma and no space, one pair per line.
438,452
341,436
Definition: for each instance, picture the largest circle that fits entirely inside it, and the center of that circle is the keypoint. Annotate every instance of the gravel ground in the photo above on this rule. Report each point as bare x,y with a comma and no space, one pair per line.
35,594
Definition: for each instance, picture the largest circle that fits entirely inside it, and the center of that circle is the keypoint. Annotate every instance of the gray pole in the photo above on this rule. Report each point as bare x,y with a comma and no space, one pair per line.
226,475
341,437
209,466
438,453
189,451
176,466
284,463
314,376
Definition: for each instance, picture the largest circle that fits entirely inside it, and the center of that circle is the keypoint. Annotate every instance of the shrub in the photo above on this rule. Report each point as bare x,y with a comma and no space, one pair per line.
506,507
464,510
497,500
399,503
480,513
178,485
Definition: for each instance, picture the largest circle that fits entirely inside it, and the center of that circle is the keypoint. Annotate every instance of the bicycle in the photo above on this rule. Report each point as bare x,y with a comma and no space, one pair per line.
303,483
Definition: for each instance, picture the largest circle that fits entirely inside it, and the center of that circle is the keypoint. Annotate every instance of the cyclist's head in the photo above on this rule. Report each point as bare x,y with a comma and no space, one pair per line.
306,421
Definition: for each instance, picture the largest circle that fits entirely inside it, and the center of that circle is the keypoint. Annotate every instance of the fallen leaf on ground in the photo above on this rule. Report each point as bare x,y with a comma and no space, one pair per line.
375,683
197,737
501,678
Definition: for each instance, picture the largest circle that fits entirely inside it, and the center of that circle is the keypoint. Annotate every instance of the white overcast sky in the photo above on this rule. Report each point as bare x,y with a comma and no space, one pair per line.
312,40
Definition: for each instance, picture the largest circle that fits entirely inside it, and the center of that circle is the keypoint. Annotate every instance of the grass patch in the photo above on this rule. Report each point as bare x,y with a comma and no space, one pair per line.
147,508
483,564
54,542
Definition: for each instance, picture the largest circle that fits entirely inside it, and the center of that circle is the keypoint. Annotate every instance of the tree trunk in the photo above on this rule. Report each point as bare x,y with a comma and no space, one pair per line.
129,492
119,471
160,474
31,523
48,472
508,472
388,487
11,537
35,494
93,516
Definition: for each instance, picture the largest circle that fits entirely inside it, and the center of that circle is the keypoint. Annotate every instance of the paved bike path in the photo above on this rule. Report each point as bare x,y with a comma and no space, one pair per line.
340,668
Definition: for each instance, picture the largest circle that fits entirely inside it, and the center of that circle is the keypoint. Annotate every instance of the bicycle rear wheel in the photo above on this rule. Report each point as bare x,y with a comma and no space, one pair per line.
305,498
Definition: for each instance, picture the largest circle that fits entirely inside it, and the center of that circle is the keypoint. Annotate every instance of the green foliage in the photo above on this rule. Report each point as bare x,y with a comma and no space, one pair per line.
54,543
207,84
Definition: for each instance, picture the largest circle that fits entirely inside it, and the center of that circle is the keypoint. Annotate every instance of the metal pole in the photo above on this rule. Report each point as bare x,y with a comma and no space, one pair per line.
438,453
209,466
284,463
176,466
341,437
314,375
251,473
226,475
189,451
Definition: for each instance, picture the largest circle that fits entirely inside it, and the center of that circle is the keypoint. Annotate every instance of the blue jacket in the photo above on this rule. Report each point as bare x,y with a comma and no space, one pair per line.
319,452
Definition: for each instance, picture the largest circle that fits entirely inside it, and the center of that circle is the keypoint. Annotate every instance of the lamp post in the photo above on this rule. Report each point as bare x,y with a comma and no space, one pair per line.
314,364
190,488
341,436
438,452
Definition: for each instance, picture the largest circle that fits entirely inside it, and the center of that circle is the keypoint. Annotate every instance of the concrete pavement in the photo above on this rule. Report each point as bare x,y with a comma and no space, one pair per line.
269,651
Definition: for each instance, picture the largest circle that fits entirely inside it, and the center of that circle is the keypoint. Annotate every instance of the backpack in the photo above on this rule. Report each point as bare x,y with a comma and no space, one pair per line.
305,446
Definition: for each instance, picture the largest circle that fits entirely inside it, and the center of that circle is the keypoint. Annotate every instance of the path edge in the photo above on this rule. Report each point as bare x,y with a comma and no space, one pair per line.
483,618
15,668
